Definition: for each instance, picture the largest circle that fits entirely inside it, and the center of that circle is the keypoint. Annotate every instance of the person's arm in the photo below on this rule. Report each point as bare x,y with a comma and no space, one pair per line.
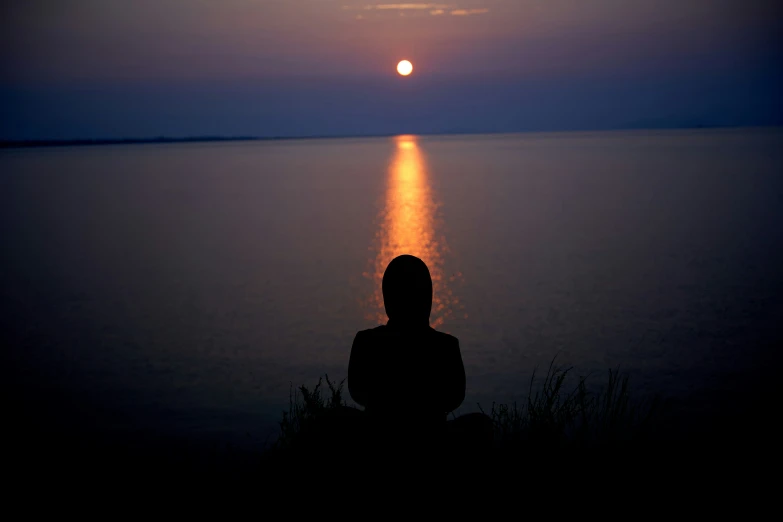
357,371
455,378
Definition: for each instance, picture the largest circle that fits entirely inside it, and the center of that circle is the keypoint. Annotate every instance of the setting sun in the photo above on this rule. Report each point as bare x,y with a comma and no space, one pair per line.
404,68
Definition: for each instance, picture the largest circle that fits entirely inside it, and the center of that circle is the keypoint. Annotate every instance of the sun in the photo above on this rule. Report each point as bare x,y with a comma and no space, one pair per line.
404,68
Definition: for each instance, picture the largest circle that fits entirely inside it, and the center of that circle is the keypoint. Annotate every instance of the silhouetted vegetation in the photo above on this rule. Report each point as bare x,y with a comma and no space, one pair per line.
306,407
560,411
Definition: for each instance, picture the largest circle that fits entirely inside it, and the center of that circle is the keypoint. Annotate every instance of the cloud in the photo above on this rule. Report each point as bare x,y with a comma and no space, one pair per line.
468,12
432,9
401,7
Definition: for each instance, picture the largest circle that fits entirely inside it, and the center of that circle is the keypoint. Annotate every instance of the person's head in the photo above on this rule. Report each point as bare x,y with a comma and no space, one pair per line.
407,291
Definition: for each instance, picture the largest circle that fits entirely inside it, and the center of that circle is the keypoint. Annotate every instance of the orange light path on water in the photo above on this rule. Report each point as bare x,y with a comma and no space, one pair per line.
408,226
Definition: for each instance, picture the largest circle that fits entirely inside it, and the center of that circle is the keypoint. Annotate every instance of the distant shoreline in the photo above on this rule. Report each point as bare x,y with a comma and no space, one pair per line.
13,144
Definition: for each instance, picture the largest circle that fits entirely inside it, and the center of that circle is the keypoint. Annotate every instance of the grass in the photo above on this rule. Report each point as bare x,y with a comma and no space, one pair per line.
306,407
559,412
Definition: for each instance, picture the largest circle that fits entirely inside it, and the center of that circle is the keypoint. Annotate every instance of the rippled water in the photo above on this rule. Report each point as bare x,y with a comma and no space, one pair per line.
409,223
182,288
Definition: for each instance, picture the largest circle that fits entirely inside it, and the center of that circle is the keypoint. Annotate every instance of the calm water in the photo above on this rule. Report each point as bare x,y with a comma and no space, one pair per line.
182,288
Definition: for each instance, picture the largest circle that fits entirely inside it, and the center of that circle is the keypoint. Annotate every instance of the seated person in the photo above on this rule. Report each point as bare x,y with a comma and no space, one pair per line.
407,375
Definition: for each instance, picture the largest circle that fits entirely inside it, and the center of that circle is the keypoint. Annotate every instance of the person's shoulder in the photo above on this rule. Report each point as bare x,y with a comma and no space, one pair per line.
371,333
444,338
378,330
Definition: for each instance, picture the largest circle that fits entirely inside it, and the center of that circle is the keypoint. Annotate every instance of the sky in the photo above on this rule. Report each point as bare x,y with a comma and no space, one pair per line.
74,69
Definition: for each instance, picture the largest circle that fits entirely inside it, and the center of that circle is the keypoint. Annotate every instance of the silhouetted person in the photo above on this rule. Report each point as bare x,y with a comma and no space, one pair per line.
407,375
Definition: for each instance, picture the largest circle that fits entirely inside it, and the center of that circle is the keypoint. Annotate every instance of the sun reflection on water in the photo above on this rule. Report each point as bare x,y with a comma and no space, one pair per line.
408,225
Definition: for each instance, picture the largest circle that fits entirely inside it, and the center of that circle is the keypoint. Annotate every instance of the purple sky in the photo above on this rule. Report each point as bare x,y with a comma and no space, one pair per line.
111,68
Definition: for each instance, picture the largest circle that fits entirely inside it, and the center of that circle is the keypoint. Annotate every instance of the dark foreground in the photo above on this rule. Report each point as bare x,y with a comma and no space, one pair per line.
725,459
674,442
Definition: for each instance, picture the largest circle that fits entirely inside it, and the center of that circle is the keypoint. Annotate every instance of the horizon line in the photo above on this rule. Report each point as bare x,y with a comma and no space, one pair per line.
74,142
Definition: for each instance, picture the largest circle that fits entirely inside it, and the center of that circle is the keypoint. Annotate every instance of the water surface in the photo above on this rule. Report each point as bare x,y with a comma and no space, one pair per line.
182,288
